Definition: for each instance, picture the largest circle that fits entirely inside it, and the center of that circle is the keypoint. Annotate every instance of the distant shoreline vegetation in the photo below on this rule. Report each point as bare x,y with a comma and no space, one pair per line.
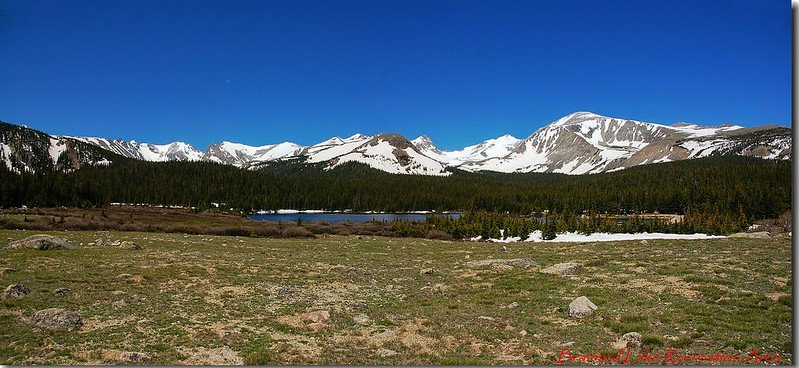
716,194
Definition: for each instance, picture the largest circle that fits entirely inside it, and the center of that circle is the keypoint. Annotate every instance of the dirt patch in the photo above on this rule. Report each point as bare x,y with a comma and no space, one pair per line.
299,346
776,296
216,356
314,321
92,324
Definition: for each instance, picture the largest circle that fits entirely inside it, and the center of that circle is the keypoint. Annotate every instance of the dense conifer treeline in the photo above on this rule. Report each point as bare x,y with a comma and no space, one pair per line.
728,186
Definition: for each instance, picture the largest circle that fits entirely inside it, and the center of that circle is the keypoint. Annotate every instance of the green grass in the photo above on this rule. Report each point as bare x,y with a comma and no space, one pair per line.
182,293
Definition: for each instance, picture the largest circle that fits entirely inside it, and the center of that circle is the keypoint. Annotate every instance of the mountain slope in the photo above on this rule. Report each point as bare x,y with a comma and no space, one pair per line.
27,150
492,148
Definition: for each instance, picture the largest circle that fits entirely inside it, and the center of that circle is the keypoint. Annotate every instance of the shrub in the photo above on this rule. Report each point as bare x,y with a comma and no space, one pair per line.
438,234
296,232
548,232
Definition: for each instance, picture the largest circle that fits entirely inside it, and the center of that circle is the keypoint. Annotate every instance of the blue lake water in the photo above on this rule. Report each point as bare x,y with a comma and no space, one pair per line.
335,218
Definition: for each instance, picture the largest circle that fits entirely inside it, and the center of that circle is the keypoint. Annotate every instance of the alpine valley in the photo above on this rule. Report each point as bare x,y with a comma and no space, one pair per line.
579,143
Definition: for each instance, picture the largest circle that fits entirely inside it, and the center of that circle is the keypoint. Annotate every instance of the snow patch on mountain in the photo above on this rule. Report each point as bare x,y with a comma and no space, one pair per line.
57,147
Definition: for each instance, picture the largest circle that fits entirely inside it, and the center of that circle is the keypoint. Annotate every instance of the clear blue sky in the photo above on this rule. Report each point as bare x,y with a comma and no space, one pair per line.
261,72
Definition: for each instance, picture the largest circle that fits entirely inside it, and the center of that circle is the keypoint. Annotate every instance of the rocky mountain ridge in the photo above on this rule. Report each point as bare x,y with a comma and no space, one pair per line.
579,143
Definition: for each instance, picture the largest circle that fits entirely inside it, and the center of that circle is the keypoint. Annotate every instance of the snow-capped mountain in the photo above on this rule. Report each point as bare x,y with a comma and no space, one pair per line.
584,143
492,148
175,151
242,155
387,152
579,143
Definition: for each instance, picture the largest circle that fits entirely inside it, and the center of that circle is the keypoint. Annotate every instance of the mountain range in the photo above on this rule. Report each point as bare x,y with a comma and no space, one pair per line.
579,143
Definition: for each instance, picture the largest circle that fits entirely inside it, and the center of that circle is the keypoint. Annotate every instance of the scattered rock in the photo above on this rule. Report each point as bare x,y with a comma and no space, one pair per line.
15,291
563,269
361,319
755,235
437,288
513,305
130,245
385,353
56,318
486,318
62,292
322,316
500,264
315,321
426,271
670,338
581,307
133,357
566,344
630,340
120,303
41,242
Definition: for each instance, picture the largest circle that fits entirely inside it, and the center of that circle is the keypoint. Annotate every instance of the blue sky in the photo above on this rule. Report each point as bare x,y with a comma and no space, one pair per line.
261,72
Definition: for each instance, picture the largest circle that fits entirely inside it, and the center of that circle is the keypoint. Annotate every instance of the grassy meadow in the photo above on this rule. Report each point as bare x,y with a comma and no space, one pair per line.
201,299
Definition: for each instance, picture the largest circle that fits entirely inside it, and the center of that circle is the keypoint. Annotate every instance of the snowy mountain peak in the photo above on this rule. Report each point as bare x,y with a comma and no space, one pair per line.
577,117
175,151
356,137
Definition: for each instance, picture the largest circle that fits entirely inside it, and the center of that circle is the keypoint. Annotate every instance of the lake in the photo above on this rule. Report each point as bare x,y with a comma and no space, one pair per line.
335,218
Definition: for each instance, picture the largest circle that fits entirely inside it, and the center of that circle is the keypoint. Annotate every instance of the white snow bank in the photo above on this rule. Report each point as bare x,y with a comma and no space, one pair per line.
570,237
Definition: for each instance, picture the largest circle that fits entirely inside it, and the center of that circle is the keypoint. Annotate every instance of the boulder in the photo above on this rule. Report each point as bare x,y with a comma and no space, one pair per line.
40,242
56,318
62,292
322,316
630,340
581,307
133,356
15,291
755,235
426,271
563,269
130,245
